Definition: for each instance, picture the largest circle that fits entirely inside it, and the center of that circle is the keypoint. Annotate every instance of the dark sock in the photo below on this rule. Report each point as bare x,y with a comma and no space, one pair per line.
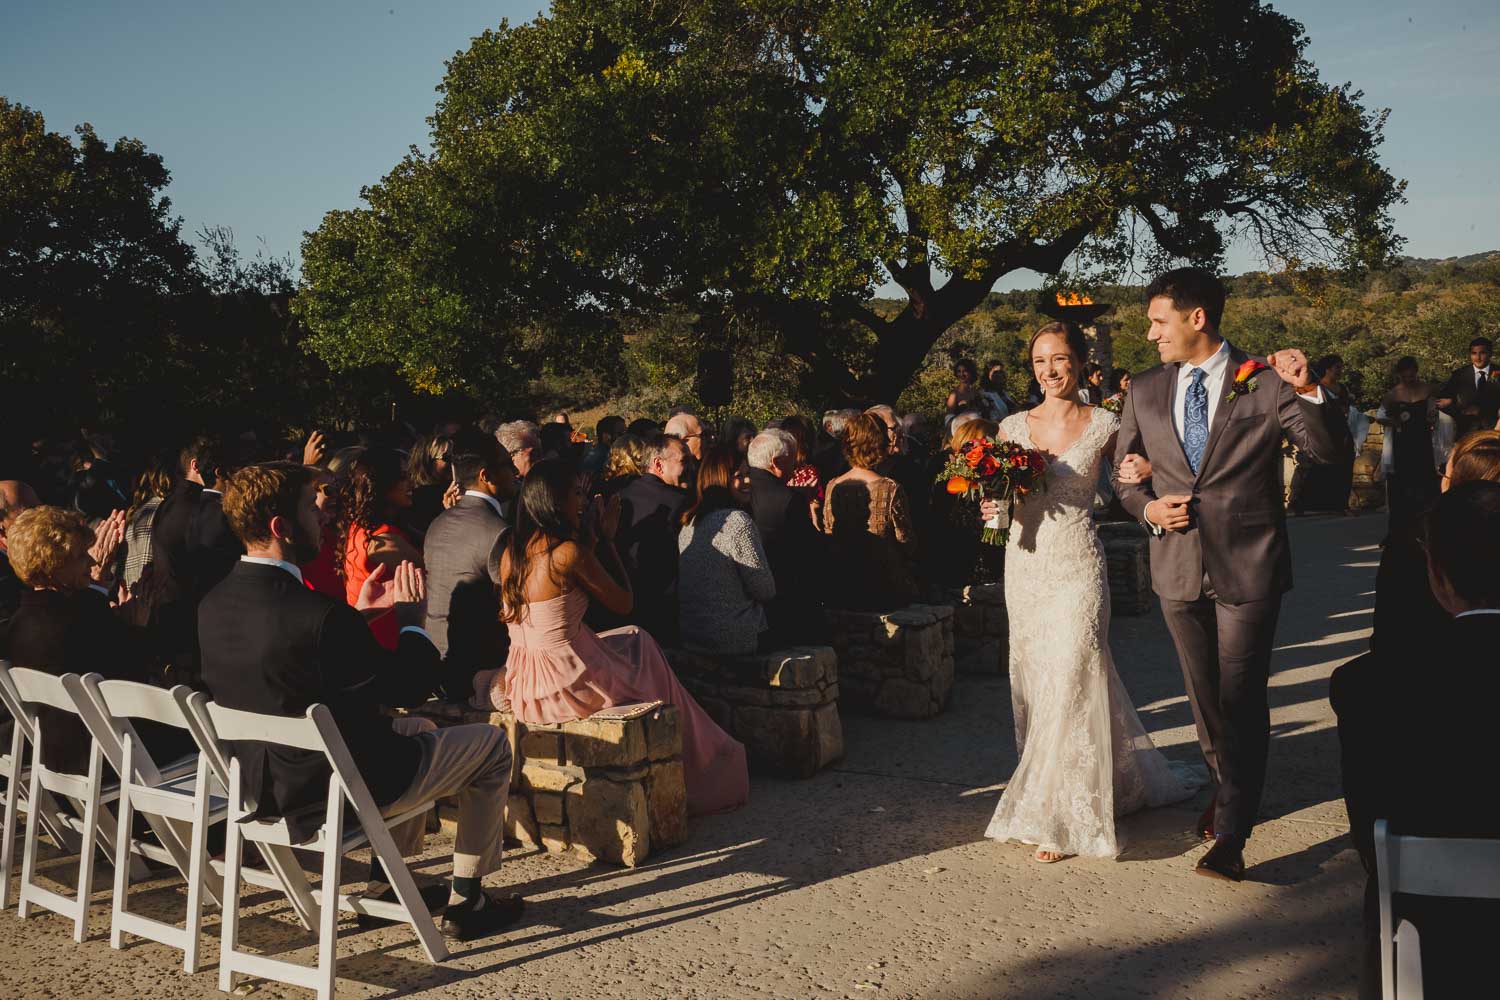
467,889
377,872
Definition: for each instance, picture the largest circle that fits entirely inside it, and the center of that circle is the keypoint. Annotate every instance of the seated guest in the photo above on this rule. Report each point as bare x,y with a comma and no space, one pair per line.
371,499
322,574
738,431
15,498
872,549
272,645
462,552
804,476
559,670
793,544
522,439
626,463
724,578
650,515
65,625
606,432
643,427
428,468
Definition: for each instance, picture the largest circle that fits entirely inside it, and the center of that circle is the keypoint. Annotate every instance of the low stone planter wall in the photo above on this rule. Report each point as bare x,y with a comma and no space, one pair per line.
1368,490
782,705
895,663
1127,556
608,788
981,629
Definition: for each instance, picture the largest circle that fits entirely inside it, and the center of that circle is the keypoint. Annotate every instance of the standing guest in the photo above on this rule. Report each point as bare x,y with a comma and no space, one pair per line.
792,542
953,554
996,395
428,467
557,442
559,670
804,477
725,579
522,440
688,429
966,394
272,645
462,552
1093,383
738,431
1121,379
1409,413
868,521
606,432
371,499
151,489
15,498
626,462
1472,393
829,458
650,514
1318,487
643,428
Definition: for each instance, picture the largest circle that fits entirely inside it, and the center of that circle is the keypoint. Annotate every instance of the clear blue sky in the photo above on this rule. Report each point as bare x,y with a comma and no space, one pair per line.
270,113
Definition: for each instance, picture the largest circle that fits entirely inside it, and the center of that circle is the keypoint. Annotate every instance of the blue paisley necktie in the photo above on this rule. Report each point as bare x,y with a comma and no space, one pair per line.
1195,424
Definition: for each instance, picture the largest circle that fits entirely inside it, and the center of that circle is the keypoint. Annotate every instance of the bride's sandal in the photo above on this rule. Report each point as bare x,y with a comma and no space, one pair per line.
1049,857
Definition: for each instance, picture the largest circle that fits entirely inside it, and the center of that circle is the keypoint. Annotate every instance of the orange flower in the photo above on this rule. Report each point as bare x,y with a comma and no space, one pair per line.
1247,369
958,484
988,466
973,456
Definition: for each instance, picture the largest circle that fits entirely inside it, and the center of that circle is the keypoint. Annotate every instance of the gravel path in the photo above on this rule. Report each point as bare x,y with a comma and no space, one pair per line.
872,880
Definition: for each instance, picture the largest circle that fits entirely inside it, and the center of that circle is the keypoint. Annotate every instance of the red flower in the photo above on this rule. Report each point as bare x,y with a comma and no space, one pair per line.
988,466
1248,369
973,456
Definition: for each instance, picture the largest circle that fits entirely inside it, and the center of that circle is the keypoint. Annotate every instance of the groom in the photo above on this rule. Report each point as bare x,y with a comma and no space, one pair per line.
1212,432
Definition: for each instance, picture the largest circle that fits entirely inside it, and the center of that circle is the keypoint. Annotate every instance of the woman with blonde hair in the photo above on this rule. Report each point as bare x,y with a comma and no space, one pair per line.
954,556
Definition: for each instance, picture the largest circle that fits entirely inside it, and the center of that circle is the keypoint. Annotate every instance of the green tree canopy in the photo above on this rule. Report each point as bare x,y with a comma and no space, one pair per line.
782,160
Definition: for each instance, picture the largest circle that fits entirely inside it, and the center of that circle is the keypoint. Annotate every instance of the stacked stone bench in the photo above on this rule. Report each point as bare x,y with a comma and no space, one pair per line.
981,628
782,705
1127,555
608,788
899,663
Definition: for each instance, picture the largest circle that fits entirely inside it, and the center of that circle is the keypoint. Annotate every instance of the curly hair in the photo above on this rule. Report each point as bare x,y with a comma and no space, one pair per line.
361,497
257,493
42,540
627,457
867,441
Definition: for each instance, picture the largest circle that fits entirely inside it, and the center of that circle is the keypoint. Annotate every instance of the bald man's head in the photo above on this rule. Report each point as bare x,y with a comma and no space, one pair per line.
15,496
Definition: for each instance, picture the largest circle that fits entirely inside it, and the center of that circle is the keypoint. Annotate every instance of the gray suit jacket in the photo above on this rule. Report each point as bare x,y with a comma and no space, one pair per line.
462,555
1238,535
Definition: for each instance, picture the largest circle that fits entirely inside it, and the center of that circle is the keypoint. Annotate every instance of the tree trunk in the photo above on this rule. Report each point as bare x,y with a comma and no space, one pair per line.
905,340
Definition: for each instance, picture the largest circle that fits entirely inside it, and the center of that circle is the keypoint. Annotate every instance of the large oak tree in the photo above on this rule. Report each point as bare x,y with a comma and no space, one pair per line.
782,160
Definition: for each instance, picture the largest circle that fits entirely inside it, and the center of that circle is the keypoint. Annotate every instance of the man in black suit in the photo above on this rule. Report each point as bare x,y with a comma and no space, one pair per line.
1472,395
650,517
272,645
462,555
793,545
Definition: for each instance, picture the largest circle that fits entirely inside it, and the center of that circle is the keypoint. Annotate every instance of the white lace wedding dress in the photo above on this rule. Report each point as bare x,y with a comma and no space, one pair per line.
1085,758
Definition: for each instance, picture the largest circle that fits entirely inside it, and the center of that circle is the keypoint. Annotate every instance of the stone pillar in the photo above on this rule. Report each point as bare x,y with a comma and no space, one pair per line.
895,663
1103,341
981,629
1127,557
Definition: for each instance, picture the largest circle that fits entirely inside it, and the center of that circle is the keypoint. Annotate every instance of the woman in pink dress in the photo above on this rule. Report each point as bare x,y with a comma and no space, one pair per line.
558,669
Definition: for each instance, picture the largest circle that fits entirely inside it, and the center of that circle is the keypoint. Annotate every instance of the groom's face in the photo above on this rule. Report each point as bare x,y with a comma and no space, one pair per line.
1178,335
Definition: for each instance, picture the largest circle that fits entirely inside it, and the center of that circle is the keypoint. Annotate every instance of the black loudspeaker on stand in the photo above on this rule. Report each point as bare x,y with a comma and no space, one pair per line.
715,380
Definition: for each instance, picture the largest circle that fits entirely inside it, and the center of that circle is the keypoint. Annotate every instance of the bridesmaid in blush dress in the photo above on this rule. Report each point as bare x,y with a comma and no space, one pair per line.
558,669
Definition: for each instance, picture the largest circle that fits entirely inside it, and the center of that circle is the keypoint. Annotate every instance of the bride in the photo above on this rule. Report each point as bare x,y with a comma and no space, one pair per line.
1085,758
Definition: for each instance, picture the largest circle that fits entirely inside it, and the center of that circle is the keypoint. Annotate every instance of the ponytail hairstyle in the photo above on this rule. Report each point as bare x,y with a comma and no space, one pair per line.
539,513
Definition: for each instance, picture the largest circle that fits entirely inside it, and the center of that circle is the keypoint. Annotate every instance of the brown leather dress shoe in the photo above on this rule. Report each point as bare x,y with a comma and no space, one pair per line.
1225,860
1205,824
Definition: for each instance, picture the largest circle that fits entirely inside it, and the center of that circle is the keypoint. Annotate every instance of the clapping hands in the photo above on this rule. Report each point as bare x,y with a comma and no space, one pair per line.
107,539
404,592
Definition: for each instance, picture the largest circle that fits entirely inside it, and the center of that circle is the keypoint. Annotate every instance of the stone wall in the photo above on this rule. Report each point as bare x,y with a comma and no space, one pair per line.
609,789
1369,492
782,705
895,663
981,628
1127,556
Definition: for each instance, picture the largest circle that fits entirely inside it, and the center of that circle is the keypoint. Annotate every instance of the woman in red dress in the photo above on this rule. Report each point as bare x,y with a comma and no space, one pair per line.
370,499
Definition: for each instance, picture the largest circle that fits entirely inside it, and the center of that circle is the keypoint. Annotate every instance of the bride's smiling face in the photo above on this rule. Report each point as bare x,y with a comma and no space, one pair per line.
1054,366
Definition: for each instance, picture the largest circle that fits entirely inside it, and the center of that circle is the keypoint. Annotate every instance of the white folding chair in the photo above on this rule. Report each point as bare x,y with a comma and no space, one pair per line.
316,732
1425,866
22,688
179,803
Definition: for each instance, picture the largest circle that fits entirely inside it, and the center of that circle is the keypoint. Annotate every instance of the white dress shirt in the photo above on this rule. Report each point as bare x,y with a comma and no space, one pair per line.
296,571
1485,371
486,498
1216,370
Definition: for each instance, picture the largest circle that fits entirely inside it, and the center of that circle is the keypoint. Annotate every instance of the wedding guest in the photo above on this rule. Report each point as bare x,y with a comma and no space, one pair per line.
995,393
322,573
738,431
65,624
966,394
151,488
1093,383
953,553
557,442
804,476
626,462
429,471
462,554
868,521
643,428
1121,378
1409,413
606,432
829,458
724,577
371,499
687,428
522,439
15,498
1472,393
793,545
650,515
1326,487
558,670
272,645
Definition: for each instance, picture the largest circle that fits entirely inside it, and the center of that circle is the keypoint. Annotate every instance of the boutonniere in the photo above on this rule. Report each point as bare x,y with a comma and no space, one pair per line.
1245,379
1495,375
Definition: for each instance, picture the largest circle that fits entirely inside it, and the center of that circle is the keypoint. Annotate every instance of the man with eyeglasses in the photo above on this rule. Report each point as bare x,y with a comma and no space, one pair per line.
689,428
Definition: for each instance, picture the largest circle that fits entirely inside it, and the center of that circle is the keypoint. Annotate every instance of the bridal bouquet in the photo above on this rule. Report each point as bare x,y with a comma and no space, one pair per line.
986,469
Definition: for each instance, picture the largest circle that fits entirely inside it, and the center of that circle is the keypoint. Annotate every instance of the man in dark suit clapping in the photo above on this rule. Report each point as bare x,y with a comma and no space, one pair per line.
272,645
1472,395
794,546
462,555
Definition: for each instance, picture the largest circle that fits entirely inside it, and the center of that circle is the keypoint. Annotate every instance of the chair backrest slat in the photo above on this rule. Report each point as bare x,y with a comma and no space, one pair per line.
1446,866
134,700
38,688
289,731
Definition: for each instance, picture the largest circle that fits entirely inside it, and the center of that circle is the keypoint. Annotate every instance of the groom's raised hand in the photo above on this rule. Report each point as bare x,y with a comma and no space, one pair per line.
1171,513
1291,364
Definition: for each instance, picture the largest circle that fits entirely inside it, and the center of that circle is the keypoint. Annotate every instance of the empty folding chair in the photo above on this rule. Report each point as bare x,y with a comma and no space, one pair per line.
1425,866
316,732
